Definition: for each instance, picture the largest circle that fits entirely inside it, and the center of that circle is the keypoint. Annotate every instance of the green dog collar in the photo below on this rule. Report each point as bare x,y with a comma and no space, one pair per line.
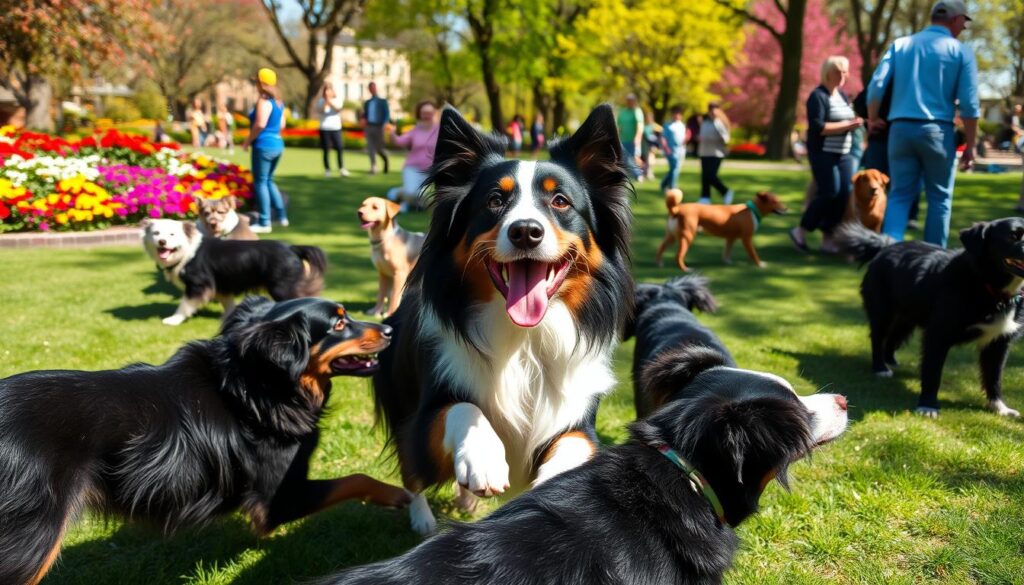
757,214
695,478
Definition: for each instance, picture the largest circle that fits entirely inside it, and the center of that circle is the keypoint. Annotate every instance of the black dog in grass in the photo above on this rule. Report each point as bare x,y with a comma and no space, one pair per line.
225,424
954,296
658,509
663,319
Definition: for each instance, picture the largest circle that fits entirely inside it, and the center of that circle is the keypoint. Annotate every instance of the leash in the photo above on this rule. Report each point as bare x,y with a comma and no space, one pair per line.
757,214
695,477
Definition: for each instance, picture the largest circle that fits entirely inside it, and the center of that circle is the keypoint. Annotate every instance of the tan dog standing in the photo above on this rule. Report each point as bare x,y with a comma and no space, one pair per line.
732,222
868,200
218,218
393,249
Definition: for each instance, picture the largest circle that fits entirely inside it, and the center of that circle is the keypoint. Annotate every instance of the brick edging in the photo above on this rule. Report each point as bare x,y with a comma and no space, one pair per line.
123,236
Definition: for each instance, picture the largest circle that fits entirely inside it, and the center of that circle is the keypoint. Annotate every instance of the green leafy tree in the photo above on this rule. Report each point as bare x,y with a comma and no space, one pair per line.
665,51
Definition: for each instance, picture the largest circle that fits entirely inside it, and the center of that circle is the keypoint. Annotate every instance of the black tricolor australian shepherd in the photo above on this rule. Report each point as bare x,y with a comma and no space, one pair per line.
504,339
663,321
954,296
225,424
658,509
208,268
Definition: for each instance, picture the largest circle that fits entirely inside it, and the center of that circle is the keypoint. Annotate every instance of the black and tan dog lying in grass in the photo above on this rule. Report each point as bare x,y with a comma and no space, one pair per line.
658,509
225,424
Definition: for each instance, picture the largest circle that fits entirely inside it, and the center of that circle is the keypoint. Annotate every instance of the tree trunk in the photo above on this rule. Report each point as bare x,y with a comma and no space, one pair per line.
559,114
37,109
784,113
492,88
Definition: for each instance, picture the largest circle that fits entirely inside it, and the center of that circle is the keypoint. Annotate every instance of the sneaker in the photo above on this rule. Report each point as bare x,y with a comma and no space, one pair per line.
704,201
372,172
283,223
728,197
261,229
912,225
327,173
343,172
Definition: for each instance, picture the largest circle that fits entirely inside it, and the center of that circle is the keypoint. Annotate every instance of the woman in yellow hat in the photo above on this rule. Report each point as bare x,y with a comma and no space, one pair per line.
267,121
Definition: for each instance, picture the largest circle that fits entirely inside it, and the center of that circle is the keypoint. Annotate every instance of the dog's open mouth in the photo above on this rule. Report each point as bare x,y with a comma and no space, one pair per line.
355,365
367,224
164,253
1015,265
527,286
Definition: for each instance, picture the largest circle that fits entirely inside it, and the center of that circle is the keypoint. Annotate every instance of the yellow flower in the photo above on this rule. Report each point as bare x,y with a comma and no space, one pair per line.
208,185
62,218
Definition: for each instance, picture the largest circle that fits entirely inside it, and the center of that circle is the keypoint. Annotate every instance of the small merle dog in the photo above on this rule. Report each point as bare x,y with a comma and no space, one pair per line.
209,267
658,509
662,321
225,424
954,296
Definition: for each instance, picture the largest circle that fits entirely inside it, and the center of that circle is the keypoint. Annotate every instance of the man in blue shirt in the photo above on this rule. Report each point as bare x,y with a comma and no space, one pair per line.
930,72
375,115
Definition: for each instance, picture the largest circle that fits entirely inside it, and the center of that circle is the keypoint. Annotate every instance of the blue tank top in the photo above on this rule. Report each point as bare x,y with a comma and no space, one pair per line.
270,137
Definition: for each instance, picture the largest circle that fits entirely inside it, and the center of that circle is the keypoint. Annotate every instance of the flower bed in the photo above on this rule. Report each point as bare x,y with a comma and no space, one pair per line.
49,183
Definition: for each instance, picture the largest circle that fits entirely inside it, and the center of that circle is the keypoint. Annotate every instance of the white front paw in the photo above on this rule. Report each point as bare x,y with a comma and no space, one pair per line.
999,407
927,412
174,320
480,464
421,519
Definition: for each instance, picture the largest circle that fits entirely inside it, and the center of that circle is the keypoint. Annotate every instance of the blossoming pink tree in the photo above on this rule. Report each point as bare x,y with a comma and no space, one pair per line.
749,87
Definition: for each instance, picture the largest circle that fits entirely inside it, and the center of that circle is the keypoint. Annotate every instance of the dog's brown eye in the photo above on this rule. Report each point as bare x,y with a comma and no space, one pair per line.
495,202
560,202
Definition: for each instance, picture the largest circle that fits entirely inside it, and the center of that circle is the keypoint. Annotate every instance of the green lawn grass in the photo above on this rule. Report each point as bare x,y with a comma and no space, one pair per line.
898,499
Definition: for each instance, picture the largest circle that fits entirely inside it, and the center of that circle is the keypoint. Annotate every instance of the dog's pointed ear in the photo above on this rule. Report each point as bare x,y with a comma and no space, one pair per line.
231,200
973,238
145,223
594,149
460,150
392,209
282,344
673,370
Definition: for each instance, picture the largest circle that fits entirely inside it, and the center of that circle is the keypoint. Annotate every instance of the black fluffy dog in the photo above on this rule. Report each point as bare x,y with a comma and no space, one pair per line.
663,320
658,509
224,424
955,296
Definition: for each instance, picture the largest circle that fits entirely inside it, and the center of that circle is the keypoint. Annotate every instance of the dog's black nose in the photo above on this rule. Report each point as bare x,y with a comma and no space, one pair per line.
386,330
526,233
162,242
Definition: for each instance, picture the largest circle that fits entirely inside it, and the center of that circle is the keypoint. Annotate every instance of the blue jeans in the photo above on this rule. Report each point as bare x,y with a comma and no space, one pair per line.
264,163
833,173
629,153
671,179
920,150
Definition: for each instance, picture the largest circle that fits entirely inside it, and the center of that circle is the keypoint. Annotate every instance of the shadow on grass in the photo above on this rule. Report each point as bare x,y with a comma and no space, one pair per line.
149,311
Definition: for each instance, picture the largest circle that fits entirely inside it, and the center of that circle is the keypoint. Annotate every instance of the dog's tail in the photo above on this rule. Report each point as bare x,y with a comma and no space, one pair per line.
314,265
673,197
694,291
860,242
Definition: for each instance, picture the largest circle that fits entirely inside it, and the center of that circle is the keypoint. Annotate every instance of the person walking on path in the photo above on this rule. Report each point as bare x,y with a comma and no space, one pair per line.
225,128
714,138
930,72
673,145
197,124
630,121
537,138
329,105
420,141
830,129
267,121
376,114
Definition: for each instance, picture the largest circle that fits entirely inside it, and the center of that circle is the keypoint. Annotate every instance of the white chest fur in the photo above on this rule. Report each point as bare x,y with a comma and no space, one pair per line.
531,384
1002,324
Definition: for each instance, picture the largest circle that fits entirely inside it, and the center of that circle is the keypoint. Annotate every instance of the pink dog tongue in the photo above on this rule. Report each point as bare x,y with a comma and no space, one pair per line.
527,299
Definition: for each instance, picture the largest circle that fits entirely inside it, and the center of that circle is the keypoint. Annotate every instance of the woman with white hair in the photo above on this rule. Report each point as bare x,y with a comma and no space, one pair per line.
830,124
